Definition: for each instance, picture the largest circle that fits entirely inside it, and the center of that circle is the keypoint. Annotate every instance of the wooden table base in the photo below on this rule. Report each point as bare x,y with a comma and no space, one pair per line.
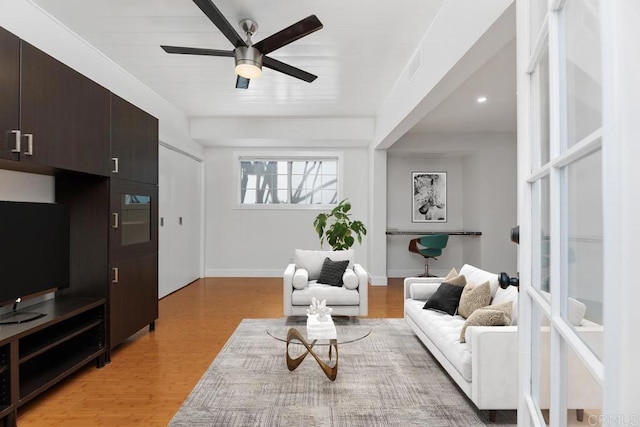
292,363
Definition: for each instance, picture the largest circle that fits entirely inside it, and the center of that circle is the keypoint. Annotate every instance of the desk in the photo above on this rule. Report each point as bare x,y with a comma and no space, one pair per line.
427,233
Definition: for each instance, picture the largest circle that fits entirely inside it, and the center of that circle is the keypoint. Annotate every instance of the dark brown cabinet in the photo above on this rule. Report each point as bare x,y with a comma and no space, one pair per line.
9,95
133,257
51,116
71,127
134,219
64,116
134,142
133,296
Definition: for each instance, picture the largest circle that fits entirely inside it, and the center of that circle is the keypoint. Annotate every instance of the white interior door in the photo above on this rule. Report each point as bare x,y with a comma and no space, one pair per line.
180,212
165,174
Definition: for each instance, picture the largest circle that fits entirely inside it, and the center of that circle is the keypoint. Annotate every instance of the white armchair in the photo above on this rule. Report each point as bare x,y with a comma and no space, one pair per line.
300,285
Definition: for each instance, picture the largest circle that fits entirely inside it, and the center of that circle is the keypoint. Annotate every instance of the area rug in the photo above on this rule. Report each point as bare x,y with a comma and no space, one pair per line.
385,379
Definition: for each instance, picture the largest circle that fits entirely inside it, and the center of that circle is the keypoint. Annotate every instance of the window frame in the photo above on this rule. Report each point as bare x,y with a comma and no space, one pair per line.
240,156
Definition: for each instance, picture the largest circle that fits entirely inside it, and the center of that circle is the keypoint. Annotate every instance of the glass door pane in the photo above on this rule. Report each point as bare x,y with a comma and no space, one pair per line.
584,393
541,235
584,249
540,131
540,356
583,69
538,11
136,219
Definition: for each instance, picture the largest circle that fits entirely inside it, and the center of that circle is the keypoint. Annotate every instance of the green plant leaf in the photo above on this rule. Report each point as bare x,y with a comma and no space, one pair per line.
340,233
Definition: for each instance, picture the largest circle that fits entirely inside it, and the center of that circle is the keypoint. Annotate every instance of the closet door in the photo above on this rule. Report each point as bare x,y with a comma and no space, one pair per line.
166,283
180,220
189,219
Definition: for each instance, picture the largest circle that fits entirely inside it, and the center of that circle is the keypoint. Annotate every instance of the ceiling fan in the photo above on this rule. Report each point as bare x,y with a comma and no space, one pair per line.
251,57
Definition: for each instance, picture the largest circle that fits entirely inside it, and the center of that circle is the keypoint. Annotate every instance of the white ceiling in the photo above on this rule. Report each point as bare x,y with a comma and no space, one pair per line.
358,56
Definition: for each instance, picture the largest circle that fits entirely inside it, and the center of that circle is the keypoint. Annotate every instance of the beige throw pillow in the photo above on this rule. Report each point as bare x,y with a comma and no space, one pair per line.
456,281
451,275
494,315
474,297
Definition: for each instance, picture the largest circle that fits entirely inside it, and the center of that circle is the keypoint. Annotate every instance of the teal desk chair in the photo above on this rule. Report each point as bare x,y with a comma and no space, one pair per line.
430,246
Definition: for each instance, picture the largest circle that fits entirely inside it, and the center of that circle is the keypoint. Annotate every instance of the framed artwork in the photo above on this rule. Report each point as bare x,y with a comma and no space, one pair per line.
429,202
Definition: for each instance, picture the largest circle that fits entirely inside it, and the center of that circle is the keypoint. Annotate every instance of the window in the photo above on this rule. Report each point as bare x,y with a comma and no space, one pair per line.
288,181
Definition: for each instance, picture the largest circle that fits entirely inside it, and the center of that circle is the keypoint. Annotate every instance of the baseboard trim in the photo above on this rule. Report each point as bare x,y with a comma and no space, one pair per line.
219,272
378,280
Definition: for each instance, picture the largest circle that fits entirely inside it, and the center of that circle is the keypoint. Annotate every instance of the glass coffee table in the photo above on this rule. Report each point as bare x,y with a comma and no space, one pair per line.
294,334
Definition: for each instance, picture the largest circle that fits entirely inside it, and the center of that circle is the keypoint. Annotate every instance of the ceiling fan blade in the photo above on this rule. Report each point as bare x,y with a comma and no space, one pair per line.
220,21
242,83
290,34
197,51
274,64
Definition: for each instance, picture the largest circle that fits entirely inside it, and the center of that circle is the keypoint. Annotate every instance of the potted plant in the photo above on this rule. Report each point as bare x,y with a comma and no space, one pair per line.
337,228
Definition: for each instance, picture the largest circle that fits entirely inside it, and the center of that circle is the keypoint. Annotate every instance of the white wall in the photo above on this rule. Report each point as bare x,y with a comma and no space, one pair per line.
26,187
481,196
400,262
260,242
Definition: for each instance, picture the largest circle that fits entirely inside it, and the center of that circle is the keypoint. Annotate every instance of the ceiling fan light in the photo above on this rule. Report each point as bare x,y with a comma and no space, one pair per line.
248,62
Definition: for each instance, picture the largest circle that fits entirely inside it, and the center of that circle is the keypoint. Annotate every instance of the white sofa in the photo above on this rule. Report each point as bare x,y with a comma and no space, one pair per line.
485,367
300,285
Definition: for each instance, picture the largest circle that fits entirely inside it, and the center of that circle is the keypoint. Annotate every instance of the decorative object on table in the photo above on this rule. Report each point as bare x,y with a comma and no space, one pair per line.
340,233
319,323
429,197
318,329
320,309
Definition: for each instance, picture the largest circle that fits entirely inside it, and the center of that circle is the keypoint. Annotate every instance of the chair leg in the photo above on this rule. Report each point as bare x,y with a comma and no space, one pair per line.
426,267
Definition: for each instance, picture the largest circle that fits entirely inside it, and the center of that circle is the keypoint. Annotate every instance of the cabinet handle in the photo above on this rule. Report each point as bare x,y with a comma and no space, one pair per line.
29,151
116,167
16,149
162,222
115,275
180,220
115,219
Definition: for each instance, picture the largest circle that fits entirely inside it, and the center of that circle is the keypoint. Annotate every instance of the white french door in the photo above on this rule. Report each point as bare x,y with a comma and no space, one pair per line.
560,144
578,203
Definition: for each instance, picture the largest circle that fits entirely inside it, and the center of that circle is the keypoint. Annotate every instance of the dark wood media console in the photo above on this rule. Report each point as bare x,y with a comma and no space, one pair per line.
37,354
103,152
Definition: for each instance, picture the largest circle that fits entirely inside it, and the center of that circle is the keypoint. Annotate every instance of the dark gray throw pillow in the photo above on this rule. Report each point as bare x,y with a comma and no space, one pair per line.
446,298
332,271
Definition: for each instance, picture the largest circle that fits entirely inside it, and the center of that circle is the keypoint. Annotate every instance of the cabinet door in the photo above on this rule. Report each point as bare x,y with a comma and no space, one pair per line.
9,93
134,219
134,142
67,114
133,296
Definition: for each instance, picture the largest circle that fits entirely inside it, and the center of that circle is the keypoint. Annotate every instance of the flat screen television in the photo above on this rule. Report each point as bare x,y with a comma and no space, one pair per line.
34,253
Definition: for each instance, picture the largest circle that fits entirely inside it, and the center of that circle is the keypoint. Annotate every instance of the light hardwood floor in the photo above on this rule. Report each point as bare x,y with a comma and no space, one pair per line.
151,374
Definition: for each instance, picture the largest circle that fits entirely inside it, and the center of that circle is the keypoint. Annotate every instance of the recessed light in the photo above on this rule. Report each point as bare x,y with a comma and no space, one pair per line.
481,99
